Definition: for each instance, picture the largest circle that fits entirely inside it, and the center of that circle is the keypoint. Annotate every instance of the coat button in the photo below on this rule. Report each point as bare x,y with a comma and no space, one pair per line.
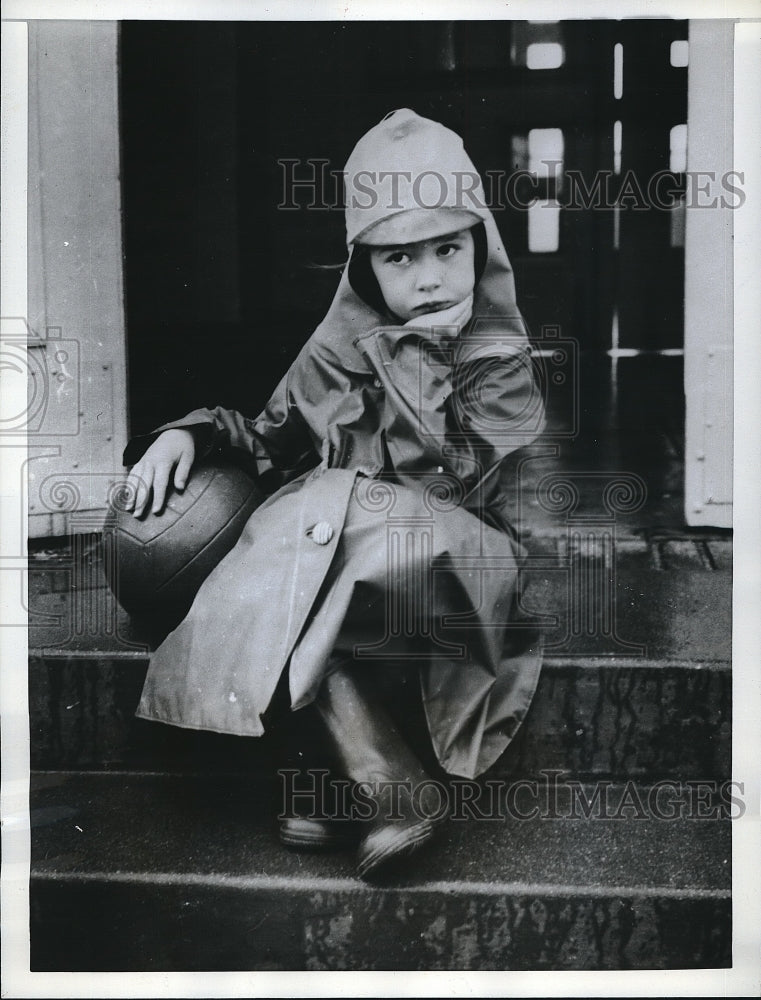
321,533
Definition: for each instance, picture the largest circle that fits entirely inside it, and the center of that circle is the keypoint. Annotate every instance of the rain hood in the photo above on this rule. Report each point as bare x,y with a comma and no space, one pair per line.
407,179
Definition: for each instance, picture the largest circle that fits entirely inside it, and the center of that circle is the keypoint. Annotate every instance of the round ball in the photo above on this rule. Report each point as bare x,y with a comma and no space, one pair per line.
159,561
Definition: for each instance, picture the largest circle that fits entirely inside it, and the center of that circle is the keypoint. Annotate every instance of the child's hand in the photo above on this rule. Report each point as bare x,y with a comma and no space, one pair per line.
174,450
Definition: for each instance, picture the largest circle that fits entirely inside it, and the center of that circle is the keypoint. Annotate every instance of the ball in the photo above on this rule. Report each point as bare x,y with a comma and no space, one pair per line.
159,561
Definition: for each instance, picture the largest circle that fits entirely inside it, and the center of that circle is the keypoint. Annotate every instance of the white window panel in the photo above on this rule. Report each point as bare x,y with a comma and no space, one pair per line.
617,146
678,149
618,71
680,53
544,226
545,152
545,55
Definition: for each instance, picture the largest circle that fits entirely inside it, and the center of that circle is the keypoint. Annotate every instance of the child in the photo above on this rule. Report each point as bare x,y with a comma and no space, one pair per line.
384,543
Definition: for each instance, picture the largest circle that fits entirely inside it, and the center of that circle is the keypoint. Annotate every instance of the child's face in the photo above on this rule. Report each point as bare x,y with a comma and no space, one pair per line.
425,277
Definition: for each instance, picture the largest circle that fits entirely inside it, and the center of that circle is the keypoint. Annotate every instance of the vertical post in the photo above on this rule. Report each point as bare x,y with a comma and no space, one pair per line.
708,293
74,316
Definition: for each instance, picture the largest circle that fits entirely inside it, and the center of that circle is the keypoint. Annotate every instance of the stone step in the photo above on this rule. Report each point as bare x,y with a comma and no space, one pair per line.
593,595
636,682
167,872
594,718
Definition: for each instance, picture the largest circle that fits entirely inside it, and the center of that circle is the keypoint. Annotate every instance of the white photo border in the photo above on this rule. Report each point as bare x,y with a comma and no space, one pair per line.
744,978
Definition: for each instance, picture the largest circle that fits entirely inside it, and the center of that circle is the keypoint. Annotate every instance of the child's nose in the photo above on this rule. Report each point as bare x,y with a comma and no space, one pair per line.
429,276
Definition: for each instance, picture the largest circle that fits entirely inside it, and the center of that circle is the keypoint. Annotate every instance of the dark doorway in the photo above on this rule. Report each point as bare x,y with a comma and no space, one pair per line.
221,283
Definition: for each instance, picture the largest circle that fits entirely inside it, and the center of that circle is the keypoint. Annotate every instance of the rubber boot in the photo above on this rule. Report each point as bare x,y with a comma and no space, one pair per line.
308,817
373,754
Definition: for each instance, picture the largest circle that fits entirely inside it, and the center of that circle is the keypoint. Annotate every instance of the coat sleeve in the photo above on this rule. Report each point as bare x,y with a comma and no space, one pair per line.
458,406
278,440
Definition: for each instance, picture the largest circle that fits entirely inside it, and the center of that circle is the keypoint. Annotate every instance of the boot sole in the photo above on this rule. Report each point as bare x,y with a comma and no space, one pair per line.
399,845
301,838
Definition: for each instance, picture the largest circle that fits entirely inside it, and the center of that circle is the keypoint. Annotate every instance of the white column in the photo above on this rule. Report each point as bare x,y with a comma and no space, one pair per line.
77,416
708,340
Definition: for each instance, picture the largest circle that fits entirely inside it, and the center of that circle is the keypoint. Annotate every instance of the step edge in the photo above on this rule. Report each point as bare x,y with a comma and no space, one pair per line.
279,883
641,782
550,662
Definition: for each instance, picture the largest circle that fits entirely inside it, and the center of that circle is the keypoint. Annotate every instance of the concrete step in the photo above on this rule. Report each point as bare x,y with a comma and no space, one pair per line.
636,682
592,593
165,872
597,718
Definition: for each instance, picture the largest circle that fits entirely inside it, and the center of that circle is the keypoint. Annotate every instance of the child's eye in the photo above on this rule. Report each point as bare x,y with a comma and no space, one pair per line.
447,249
398,257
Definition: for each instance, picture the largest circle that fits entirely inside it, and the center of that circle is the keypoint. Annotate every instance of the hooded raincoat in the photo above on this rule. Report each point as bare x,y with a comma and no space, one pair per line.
394,437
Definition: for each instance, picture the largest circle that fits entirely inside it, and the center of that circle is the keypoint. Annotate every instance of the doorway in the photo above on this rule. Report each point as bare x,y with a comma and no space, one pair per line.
568,122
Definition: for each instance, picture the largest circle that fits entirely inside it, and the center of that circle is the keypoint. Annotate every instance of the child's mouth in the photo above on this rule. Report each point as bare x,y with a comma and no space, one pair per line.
427,307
